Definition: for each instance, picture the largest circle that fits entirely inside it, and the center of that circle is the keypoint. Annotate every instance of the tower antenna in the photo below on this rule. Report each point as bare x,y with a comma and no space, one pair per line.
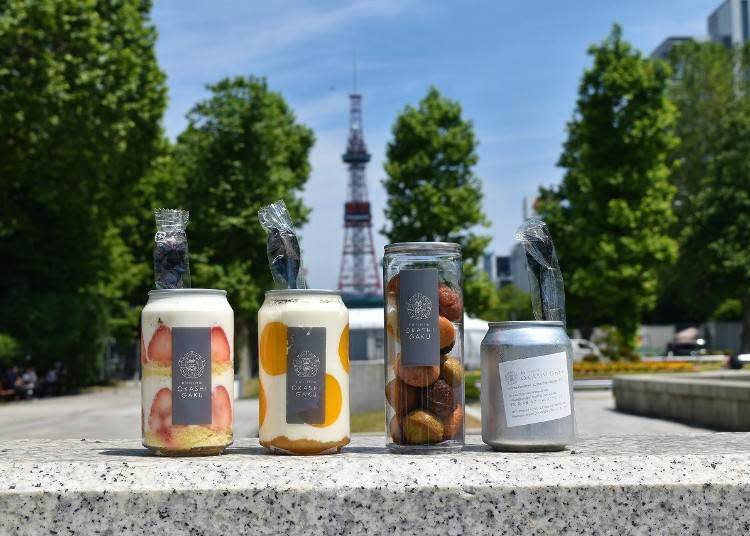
354,72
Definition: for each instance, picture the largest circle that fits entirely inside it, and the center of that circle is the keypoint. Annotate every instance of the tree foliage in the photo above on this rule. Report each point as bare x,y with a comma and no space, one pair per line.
433,192
713,181
81,98
611,216
704,92
717,230
496,305
242,149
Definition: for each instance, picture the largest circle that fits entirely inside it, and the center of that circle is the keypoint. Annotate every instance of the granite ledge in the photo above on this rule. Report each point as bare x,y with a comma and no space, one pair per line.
696,484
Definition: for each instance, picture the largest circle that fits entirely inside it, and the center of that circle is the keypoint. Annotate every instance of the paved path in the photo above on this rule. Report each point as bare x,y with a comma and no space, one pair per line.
596,416
107,414
114,414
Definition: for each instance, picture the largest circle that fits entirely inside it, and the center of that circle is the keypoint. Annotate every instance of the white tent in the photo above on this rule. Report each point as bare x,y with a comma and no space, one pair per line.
366,335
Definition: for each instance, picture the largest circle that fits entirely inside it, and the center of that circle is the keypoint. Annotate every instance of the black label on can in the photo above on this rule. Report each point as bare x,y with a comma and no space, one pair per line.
305,375
191,375
418,317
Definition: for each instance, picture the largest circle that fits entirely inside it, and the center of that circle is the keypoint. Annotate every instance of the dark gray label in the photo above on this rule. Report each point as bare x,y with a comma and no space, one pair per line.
418,317
305,376
191,375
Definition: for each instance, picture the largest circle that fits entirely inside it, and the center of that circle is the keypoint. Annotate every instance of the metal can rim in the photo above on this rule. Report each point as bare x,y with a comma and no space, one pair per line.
303,292
199,291
526,323
433,247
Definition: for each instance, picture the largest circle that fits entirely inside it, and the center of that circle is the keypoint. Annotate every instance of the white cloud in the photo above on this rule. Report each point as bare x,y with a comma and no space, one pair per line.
258,39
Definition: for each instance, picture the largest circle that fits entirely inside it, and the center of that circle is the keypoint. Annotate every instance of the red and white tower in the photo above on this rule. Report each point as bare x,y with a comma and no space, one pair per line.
359,273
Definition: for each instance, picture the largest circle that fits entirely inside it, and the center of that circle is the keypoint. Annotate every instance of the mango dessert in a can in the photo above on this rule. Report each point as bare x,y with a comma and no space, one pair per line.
304,353
304,372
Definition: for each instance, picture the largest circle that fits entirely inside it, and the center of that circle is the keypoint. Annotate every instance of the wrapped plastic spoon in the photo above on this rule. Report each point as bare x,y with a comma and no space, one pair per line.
282,246
171,258
545,278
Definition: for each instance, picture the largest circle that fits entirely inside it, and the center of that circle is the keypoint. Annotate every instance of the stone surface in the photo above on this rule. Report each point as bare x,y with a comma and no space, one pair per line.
617,485
719,400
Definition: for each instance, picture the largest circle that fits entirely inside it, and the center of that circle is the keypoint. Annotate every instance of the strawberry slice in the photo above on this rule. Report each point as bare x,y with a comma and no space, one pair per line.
160,416
221,409
160,347
220,352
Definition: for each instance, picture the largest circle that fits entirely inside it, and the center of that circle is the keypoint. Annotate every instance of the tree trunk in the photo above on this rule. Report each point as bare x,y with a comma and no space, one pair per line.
587,328
242,347
745,344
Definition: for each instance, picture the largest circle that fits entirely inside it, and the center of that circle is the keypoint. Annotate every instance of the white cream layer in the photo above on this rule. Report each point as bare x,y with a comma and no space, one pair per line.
305,312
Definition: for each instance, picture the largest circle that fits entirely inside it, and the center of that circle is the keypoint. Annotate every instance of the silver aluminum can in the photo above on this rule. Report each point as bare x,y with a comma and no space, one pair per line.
527,386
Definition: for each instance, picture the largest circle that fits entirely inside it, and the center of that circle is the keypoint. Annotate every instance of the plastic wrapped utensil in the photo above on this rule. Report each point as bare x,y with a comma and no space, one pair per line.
171,258
282,246
545,278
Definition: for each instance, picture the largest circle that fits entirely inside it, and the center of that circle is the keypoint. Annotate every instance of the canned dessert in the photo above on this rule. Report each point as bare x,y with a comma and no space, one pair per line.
304,371
527,386
187,372
424,346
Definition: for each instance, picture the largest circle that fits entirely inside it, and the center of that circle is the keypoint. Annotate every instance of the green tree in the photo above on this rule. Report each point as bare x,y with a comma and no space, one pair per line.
717,231
242,149
433,192
611,215
704,90
80,106
162,185
713,181
496,305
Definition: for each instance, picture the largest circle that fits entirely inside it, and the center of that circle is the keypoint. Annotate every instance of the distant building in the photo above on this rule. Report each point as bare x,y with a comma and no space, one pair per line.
503,275
518,272
666,46
507,269
729,24
511,269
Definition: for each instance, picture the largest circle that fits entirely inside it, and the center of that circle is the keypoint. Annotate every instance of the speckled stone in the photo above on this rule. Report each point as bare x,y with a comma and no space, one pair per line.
618,485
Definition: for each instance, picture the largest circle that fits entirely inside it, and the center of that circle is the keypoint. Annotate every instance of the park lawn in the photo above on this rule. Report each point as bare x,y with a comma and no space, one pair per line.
374,421
251,388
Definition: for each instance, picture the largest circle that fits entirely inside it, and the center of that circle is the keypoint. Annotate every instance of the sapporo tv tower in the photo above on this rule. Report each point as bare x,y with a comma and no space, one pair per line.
359,275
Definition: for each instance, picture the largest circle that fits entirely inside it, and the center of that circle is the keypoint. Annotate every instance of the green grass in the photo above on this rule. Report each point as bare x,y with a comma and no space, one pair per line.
251,388
370,421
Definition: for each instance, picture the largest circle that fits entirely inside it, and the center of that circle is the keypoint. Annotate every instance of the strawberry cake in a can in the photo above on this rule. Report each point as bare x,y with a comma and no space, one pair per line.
187,358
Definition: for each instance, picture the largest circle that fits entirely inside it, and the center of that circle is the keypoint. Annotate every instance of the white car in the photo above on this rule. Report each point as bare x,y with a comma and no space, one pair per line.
583,347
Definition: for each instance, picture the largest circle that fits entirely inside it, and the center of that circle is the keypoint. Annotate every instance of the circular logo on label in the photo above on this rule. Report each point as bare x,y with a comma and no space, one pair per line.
419,307
192,364
306,364
511,377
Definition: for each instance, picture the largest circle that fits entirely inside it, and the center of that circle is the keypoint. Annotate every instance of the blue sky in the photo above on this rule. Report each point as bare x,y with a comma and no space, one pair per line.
513,65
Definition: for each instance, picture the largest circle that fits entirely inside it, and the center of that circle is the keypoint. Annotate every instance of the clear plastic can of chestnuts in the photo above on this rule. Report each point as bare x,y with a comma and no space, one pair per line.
423,346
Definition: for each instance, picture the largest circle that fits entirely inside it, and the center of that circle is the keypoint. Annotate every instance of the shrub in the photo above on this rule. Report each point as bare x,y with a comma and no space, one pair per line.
471,385
591,358
10,350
